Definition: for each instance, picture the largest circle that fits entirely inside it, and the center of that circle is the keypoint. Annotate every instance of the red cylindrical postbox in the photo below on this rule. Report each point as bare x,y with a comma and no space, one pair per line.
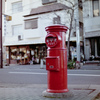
56,60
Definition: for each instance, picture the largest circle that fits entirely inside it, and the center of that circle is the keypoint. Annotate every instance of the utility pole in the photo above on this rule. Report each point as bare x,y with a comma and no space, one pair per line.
1,65
77,30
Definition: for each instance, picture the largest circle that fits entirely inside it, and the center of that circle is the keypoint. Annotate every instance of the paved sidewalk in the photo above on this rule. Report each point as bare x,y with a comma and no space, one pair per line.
37,66
34,92
91,67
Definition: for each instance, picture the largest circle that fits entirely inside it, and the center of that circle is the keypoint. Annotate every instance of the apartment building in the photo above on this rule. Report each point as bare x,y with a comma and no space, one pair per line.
91,17
25,33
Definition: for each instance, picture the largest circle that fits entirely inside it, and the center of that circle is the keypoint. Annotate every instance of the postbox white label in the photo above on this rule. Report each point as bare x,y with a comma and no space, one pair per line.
51,41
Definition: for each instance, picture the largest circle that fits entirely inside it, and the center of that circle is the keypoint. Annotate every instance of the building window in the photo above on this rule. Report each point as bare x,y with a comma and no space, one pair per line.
56,20
17,7
17,30
48,1
31,24
95,8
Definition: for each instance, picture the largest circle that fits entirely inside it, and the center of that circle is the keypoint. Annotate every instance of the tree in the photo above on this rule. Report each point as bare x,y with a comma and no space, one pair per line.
72,15
73,8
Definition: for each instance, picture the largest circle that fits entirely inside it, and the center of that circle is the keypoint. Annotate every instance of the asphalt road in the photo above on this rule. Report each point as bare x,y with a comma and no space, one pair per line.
28,75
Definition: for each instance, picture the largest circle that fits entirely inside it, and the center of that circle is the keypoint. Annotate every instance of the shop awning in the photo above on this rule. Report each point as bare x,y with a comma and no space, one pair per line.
25,42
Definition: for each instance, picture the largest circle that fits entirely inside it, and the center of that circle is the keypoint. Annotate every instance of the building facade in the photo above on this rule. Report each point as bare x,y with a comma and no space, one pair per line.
91,17
25,33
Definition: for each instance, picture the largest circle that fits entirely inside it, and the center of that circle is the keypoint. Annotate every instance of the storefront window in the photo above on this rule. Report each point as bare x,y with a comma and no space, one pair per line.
38,53
28,54
20,55
14,53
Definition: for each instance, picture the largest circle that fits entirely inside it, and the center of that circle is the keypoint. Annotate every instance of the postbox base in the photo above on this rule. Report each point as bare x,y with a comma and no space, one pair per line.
57,91
57,95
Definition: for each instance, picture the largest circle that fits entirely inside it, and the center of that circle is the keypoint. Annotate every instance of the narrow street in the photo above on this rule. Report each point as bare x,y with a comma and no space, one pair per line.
29,74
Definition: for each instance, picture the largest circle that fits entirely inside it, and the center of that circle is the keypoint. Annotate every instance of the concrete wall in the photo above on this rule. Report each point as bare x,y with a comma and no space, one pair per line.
90,23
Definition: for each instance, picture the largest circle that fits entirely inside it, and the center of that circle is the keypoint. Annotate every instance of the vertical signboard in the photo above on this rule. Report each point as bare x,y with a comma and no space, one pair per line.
1,66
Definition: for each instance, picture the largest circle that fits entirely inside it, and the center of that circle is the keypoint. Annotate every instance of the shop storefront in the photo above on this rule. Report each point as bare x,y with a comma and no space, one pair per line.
31,54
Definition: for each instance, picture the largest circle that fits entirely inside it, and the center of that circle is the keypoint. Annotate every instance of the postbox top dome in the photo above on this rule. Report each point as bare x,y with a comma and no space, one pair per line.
56,28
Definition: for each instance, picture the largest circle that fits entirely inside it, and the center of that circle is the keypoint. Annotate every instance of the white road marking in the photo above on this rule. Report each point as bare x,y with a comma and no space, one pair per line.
25,73
30,73
83,75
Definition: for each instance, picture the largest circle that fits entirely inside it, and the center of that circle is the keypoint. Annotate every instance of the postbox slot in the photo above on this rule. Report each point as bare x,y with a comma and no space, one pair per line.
53,63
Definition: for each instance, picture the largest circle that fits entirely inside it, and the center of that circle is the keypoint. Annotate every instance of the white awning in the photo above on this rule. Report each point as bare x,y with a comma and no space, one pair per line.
25,42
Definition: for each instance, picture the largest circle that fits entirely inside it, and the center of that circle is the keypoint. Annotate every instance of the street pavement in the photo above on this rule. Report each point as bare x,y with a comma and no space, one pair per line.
34,91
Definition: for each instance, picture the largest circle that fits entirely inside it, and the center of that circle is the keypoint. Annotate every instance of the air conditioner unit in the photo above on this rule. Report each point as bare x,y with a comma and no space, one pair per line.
20,37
